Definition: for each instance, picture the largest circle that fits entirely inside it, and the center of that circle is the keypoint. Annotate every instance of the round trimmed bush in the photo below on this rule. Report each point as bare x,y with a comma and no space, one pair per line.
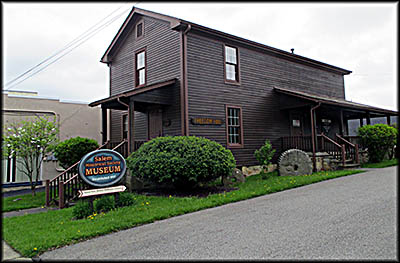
181,161
71,151
379,139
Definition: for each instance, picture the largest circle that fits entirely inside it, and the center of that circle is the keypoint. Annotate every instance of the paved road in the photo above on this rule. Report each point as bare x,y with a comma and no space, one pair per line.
353,217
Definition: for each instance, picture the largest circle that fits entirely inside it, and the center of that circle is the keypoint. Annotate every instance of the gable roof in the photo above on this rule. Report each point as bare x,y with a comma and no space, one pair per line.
177,24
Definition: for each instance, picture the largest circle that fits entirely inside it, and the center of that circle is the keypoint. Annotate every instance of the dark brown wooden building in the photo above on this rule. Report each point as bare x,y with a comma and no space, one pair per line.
171,77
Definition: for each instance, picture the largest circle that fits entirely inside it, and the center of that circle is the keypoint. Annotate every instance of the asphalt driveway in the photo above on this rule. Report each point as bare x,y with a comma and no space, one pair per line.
352,217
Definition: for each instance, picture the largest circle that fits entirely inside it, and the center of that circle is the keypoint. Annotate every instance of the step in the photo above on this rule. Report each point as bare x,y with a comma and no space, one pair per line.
350,165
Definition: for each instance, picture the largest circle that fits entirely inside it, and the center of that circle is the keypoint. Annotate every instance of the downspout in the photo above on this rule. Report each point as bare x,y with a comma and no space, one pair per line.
184,85
123,103
313,135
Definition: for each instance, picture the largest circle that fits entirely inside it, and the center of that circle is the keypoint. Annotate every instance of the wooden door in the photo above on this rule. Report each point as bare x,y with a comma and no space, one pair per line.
296,124
155,123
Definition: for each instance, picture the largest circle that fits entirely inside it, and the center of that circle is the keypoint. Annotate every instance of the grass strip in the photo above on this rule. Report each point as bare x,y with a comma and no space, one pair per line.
33,234
382,164
15,203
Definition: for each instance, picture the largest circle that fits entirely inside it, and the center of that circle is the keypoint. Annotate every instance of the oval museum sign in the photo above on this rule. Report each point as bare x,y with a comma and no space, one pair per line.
102,168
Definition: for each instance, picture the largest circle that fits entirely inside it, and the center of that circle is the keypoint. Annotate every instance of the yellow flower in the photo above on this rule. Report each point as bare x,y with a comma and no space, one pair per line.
35,248
147,203
170,196
95,214
79,230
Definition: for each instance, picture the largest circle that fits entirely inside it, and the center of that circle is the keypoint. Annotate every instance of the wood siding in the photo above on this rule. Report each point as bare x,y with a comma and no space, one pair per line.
259,73
163,62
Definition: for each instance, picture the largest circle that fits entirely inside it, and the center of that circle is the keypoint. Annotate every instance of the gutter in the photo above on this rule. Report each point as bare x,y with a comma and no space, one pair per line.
184,83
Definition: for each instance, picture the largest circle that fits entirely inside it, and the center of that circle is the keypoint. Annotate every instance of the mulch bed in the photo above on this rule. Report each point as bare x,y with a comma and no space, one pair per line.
196,192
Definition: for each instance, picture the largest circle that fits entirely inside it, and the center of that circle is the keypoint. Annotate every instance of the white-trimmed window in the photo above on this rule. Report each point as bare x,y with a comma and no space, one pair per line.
140,68
231,64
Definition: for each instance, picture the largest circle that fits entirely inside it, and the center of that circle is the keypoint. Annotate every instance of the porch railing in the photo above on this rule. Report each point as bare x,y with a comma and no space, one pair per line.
296,142
333,148
351,149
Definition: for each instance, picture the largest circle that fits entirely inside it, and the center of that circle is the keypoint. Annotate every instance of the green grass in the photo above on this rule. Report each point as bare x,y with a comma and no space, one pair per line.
382,164
35,233
26,201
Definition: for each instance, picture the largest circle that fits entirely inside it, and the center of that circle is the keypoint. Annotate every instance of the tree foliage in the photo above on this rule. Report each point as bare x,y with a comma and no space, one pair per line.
70,151
30,141
380,140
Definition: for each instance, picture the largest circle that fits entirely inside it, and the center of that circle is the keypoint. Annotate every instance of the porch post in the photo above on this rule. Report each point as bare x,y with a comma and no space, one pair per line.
388,119
368,119
315,131
361,122
104,123
341,123
131,126
314,140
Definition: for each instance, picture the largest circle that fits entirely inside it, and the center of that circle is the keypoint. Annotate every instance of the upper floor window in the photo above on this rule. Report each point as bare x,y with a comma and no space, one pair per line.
140,68
139,30
231,64
234,127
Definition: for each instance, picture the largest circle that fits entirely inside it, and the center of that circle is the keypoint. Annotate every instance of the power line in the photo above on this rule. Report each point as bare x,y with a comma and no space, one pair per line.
61,50
84,37
90,35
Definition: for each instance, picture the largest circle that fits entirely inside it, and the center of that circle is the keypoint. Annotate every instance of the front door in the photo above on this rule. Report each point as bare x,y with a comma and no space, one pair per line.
155,123
296,124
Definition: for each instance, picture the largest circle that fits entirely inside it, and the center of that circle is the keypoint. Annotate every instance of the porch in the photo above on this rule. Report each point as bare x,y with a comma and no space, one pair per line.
319,125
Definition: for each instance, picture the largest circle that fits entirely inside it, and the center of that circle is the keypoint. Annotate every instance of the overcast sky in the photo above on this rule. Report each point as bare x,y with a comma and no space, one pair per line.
358,37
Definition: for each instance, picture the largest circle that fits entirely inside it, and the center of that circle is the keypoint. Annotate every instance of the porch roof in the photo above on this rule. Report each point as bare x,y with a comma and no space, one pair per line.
335,101
132,92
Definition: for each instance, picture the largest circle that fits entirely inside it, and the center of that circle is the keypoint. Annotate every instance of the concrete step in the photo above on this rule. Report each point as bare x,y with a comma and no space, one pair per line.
349,165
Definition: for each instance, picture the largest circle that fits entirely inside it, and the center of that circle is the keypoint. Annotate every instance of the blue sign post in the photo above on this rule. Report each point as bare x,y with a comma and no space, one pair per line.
102,168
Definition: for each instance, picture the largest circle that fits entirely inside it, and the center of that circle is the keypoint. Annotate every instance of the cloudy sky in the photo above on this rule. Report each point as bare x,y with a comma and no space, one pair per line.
358,37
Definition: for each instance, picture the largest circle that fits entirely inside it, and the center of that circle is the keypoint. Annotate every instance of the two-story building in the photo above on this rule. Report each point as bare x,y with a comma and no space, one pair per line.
172,77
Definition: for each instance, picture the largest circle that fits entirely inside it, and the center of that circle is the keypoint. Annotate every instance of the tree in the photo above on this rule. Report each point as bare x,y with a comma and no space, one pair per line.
30,142
72,150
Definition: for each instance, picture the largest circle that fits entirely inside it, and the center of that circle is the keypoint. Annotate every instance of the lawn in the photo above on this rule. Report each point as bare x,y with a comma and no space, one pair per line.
382,164
15,203
33,234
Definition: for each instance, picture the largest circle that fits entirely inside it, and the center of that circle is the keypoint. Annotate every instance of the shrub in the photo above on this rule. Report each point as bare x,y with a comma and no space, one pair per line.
125,199
181,161
81,209
264,154
70,151
104,204
379,139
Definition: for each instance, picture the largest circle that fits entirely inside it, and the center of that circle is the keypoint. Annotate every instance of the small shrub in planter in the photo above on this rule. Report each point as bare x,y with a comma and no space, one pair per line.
104,204
70,151
125,199
181,161
379,139
81,210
